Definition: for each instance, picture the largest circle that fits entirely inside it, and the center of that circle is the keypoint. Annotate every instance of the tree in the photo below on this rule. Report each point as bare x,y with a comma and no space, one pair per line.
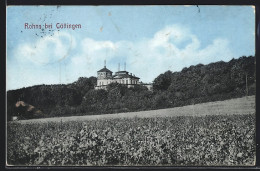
163,81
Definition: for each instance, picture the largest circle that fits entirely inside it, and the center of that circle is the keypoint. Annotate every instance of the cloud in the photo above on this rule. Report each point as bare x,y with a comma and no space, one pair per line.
171,48
92,51
48,49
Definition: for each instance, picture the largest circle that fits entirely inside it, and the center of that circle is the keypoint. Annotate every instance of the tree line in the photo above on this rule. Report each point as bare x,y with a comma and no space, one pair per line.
195,84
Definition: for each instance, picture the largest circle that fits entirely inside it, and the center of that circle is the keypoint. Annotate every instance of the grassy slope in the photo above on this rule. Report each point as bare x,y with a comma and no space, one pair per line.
244,105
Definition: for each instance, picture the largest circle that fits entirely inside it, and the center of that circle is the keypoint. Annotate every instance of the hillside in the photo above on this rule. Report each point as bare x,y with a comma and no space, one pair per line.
238,106
196,84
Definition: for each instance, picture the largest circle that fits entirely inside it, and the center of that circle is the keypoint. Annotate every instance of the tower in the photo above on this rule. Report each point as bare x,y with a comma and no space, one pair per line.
104,72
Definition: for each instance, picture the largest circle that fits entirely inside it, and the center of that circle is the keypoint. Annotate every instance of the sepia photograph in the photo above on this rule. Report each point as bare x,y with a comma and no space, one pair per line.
130,85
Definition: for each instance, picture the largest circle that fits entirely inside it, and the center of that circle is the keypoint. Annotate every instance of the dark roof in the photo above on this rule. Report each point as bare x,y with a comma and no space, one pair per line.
135,77
125,76
104,70
122,72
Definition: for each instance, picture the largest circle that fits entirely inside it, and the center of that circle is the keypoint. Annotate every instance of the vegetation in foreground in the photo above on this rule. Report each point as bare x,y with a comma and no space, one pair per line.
182,140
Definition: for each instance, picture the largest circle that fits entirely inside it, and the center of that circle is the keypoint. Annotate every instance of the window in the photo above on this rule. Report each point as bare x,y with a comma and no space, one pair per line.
126,81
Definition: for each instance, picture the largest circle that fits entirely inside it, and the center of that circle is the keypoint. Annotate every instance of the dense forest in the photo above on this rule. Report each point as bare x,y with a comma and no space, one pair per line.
195,84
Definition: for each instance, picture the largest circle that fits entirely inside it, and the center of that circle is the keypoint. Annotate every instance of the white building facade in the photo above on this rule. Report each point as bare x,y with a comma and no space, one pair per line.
105,77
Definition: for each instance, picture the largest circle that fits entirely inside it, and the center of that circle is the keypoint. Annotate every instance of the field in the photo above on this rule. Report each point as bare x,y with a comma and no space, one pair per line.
240,106
210,134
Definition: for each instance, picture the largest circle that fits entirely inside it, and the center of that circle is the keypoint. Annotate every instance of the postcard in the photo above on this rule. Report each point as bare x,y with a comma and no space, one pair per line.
130,85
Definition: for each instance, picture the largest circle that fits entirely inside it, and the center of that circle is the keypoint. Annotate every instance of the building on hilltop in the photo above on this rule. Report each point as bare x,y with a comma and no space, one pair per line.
105,77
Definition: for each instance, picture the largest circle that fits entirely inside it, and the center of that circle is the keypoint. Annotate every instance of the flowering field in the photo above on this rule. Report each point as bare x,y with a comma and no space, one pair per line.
175,141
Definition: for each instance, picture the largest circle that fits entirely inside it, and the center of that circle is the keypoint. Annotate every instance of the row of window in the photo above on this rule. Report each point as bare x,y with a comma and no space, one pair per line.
106,74
120,81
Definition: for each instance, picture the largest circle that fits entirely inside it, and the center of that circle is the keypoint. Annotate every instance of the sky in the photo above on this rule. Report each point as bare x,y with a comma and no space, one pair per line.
149,39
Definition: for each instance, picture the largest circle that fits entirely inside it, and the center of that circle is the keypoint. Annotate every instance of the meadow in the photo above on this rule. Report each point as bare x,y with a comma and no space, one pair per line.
239,106
213,139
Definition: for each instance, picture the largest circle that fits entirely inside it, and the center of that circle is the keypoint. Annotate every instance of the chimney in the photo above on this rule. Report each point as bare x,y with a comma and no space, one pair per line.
125,67
118,66
105,63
